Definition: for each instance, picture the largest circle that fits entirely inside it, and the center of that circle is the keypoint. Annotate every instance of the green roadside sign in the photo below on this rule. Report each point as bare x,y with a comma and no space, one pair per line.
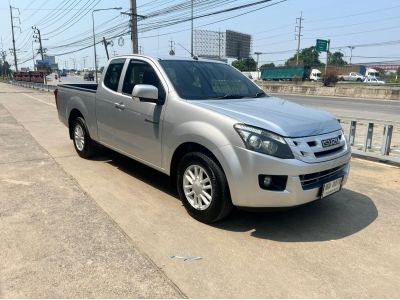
322,45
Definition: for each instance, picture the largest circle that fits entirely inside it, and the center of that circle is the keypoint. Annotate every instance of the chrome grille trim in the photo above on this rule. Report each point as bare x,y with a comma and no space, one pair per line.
310,149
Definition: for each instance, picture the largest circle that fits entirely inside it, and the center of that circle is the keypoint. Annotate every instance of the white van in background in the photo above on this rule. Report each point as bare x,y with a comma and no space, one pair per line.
372,73
315,75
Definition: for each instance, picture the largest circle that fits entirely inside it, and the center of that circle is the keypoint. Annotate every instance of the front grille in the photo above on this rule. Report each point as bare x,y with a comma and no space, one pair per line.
310,181
328,152
311,149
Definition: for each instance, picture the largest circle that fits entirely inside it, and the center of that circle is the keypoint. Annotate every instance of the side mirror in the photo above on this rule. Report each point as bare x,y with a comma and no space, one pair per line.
146,93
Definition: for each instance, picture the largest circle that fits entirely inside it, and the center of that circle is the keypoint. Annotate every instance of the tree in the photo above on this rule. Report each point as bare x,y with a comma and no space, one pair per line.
5,70
270,65
307,56
336,59
245,64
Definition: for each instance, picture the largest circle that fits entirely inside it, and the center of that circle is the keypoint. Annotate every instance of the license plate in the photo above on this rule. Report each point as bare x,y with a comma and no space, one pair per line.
331,187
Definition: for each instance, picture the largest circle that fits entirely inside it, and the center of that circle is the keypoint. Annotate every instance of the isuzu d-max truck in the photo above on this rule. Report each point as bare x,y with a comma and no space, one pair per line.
219,137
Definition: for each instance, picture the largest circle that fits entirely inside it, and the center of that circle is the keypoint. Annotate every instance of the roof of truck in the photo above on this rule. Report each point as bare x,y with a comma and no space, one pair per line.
168,57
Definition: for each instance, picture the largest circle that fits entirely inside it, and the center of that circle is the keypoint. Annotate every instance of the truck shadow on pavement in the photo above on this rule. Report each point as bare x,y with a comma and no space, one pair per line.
137,170
335,217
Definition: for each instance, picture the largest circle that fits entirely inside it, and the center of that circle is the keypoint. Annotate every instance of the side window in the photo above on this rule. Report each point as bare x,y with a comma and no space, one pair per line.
113,74
140,72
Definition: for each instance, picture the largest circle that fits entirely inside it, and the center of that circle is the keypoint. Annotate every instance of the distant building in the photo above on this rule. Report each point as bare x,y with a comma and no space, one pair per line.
48,64
390,68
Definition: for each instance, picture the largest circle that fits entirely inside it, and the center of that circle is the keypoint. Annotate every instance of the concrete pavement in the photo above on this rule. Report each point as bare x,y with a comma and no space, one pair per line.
344,246
56,242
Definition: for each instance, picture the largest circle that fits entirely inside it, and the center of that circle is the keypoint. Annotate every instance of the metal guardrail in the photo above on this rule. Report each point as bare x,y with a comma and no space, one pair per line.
34,85
370,147
339,83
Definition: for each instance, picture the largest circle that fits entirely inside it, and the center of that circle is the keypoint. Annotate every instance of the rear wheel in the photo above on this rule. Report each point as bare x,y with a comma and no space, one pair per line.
83,144
203,188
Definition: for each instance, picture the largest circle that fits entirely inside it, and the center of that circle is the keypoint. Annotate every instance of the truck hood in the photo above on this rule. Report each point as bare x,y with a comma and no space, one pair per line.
274,114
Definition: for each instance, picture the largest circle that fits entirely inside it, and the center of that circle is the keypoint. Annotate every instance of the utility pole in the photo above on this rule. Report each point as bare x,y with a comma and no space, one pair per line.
327,56
84,61
13,37
38,39
351,52
33,56
134,32
172,47
105,46
191,38
258,55
297,30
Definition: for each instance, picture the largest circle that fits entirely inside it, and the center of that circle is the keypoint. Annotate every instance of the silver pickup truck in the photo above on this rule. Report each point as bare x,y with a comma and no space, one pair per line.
219,137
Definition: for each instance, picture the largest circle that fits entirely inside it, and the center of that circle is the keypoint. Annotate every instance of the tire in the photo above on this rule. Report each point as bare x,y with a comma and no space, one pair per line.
84,145
359,79
215,190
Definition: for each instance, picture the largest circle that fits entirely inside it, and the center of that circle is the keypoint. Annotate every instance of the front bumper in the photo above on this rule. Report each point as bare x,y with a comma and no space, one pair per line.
242,167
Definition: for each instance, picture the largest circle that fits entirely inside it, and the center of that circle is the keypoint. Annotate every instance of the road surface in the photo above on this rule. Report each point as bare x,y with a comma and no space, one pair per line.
386,110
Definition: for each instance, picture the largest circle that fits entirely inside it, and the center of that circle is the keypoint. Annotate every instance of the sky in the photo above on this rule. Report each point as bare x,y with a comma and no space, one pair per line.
66,26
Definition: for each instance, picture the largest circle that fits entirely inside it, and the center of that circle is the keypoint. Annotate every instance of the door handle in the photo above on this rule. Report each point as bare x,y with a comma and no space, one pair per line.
119,106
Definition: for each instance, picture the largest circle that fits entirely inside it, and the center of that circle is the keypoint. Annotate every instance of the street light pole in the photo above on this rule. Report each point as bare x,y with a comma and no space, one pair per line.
94,36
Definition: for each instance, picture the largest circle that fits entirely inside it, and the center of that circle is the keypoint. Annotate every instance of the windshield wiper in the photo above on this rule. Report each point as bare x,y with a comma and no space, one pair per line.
259,94
230,96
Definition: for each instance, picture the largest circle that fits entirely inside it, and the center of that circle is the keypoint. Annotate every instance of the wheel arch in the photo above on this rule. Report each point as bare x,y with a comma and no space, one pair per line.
185,148
75,113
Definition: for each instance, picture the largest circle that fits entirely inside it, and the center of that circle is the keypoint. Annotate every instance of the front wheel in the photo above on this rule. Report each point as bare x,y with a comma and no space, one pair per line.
203,188
83,144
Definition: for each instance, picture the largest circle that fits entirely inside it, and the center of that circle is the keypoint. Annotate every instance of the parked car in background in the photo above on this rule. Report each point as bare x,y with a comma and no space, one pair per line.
373,80
219,137
63,74
88,76
353,76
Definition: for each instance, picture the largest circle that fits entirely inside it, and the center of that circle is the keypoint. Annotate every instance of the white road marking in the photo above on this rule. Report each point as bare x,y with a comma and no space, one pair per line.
40,100
27,183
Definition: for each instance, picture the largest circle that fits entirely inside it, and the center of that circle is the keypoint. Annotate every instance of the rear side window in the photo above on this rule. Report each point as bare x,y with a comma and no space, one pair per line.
113,74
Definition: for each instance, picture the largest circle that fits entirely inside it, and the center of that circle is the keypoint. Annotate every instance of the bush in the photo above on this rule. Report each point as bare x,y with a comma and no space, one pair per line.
296,79
329,79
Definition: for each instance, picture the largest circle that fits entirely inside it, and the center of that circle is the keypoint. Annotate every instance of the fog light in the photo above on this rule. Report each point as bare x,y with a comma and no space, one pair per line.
267,181
272,182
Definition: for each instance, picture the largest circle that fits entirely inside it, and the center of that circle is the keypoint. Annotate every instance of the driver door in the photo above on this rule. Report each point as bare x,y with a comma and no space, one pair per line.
138,128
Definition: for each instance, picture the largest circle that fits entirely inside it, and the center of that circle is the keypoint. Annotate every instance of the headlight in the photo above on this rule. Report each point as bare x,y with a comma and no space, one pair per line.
263,141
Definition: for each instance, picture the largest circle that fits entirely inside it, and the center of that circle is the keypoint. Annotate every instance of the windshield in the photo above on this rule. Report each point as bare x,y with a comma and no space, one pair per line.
199,80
